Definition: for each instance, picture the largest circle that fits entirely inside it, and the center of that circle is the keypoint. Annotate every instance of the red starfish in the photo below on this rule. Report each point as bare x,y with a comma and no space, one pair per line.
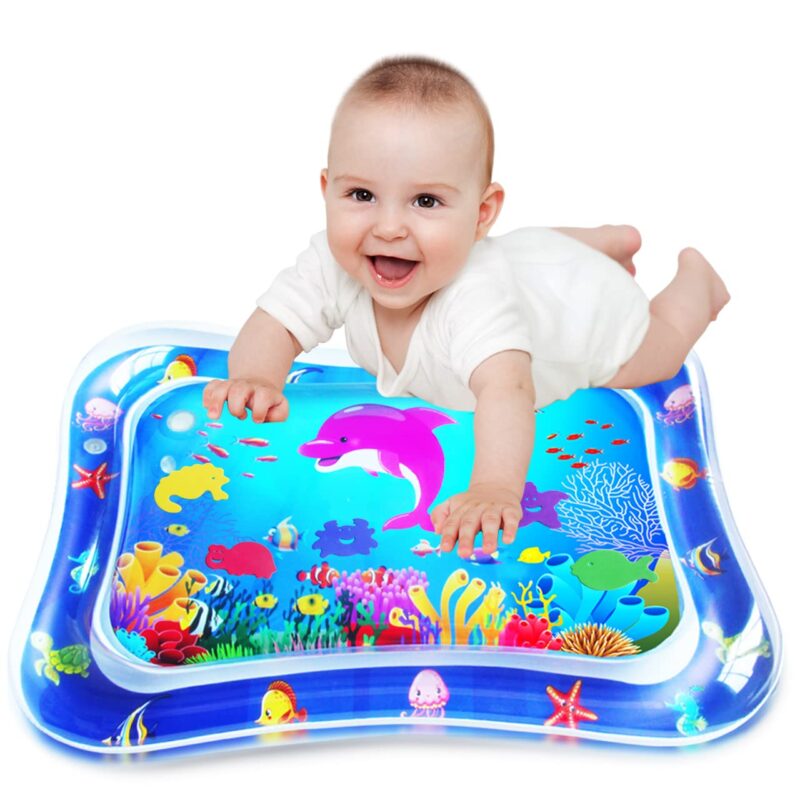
567,709
95,480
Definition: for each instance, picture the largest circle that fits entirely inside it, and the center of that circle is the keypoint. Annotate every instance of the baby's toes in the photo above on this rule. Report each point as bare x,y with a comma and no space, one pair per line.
625,242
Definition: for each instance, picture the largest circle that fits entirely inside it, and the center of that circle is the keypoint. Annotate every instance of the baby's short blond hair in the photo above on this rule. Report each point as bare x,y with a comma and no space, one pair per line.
422,82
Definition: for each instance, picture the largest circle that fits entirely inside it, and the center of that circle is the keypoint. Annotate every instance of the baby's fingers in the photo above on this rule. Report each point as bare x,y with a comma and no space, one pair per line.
239,395
467,530
260,403
466,540
268,405
511,520
449,536
439,515
214,397
448,528
490,525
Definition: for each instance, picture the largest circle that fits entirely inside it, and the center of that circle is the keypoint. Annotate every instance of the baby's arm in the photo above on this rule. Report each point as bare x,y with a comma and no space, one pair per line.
504,428
259,361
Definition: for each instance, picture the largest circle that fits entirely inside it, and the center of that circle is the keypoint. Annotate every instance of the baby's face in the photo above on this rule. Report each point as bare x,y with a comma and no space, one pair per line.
408,184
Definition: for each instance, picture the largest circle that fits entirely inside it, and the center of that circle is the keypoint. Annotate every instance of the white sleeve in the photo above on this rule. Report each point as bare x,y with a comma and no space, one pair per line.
481,319
306,298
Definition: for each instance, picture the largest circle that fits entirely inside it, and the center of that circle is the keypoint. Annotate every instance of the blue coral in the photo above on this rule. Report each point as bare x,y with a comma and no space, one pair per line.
612,507
345,540
575,603
135,644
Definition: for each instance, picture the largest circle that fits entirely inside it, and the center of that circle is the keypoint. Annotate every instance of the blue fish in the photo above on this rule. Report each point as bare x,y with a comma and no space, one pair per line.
480,557
87,567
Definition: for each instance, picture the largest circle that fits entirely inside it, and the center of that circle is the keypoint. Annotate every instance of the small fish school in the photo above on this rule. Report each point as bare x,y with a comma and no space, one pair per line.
253,562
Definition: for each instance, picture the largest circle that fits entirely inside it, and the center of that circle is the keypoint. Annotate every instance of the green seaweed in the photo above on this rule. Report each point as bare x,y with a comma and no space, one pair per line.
352,623
318,634
222,652
241,618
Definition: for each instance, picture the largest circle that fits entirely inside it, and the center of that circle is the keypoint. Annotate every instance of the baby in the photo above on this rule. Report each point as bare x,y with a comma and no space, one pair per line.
436,309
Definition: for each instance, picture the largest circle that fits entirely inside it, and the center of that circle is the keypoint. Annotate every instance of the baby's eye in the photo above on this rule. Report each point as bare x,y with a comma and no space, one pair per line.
429,201
361,195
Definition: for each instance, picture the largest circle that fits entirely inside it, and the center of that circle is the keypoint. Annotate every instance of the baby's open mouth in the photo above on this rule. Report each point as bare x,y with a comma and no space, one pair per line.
392,271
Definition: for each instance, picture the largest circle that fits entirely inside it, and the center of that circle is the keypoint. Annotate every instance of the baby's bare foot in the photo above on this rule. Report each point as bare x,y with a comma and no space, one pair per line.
620,242
691,260
624,242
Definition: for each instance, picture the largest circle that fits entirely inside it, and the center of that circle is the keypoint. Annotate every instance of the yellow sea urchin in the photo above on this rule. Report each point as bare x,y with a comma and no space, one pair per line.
591,639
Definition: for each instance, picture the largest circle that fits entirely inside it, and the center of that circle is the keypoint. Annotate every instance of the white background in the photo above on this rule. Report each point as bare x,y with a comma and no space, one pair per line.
160,161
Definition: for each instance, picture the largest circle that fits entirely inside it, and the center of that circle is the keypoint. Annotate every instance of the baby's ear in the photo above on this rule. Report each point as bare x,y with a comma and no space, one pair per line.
323,181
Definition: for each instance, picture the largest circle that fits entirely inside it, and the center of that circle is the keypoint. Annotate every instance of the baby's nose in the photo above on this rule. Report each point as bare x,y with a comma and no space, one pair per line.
390,225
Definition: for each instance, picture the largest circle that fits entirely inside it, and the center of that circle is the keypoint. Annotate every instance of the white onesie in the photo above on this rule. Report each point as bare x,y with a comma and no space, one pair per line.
577,312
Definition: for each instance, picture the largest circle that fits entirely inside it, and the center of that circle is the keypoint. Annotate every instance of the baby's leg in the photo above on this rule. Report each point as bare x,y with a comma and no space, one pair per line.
678,317
620,242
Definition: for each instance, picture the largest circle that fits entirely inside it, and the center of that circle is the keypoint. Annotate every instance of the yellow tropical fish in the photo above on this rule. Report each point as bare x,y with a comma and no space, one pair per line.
285,536
279,705
266,601
312,604
182,367
682,473
177,529
533,555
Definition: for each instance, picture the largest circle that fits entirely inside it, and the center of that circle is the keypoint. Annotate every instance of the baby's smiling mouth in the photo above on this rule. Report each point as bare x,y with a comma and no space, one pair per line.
392,271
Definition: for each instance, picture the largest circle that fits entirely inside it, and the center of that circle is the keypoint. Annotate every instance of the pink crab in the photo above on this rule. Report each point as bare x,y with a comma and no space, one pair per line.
100,415
428,695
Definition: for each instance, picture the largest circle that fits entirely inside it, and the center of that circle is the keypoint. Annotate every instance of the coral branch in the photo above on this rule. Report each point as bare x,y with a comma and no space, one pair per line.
610,506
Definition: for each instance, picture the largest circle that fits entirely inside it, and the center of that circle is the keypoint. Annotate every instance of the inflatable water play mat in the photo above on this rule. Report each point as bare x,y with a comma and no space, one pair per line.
205,581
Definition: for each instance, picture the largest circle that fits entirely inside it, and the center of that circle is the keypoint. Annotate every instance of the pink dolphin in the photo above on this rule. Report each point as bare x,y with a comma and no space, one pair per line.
381,438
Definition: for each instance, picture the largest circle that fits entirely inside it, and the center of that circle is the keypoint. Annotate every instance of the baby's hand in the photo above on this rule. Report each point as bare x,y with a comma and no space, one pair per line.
485,507
265,400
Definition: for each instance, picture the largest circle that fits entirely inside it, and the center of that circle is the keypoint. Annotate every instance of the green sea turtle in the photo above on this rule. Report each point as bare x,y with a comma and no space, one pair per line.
732,648
71,660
